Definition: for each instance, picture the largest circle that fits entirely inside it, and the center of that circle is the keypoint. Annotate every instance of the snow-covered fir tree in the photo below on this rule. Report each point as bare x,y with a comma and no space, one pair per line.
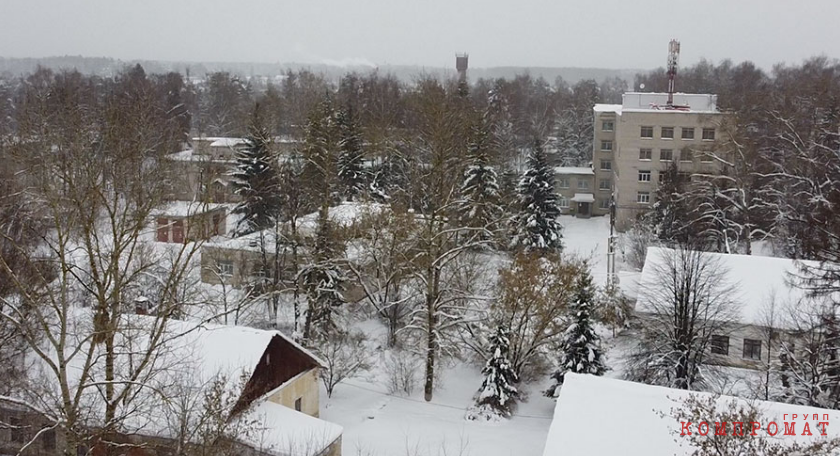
323,281
580,348
497,394
480,208
535,226
350,158
256,181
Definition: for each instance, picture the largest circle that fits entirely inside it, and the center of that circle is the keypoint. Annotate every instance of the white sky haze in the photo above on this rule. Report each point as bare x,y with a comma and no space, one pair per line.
602,33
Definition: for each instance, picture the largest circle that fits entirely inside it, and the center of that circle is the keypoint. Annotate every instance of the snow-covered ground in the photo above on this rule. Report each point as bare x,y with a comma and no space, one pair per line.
377,423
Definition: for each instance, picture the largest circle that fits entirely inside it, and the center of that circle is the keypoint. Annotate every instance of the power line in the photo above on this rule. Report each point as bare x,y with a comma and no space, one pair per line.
437,404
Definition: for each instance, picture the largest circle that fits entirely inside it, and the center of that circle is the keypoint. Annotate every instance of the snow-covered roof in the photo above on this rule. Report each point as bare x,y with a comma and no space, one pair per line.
655,101
189,359
186,208
574,170
343,215
608,417
228,142
190,155
583,198
757,278
616,108
289,432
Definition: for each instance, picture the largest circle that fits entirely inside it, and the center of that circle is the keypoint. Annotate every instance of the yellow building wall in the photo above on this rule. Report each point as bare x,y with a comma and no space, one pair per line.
304,387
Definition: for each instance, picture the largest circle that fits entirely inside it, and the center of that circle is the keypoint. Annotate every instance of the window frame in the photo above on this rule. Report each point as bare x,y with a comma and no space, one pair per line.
603,203
704,131
582,184
684,130
670,152
601,184
563,182
563,202
608,167
689,153
162,232
643,130
752,344
605,142
299,404
222,267
645,151
645,172
662,132
639,197
605,122
716,346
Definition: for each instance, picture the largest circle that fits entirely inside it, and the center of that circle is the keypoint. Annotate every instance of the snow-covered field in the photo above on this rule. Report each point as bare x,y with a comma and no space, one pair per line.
379,424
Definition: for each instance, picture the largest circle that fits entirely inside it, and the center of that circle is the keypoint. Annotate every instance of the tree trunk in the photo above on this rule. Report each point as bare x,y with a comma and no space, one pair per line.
432,343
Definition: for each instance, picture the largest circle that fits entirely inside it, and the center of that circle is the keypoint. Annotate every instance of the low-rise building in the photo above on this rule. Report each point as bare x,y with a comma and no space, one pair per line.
577,192
185,221
763,293
608,417
274,382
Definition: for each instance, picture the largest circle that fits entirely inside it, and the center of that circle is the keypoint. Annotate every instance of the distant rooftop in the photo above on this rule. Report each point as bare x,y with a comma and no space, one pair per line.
573,170
650,101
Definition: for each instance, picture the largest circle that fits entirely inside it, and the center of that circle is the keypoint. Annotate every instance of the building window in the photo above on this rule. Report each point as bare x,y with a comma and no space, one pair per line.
162,230
644,176
604,204
606,145
583,184
667,133
604,184
643,197
647,132
607,125
666,154
645,154
686,155
563,201
606,165
687,133
299,404
178,231
708,134
563,182
752,349
225,268
720,345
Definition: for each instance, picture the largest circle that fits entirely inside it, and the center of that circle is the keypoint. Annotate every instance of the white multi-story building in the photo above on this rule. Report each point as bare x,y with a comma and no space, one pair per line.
638,139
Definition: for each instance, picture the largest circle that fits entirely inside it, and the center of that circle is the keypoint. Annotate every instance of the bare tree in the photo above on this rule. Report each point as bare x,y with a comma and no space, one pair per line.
95,169
689,300
382,267
714,410
346,356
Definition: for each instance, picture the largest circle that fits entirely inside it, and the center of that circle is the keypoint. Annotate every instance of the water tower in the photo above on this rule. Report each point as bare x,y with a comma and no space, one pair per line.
461,64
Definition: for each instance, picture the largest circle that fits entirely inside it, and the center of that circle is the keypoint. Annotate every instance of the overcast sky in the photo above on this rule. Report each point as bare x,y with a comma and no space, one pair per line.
581,33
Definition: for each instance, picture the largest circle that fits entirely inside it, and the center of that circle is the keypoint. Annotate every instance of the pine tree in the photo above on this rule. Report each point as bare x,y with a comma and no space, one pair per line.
256,181
580,349
350,169
480,190
321,151
323,281
497,393
535,227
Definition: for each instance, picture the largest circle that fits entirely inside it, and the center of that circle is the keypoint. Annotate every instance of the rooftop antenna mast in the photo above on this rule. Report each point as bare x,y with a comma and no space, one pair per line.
673,61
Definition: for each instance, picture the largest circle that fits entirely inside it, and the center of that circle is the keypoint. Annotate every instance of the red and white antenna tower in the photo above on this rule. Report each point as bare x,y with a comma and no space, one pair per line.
673,61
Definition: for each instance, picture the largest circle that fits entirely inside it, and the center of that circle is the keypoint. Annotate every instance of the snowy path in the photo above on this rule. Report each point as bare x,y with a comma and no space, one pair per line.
376,424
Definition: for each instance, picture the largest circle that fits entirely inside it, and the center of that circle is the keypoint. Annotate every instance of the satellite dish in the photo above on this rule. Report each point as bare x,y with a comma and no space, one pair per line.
641,87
